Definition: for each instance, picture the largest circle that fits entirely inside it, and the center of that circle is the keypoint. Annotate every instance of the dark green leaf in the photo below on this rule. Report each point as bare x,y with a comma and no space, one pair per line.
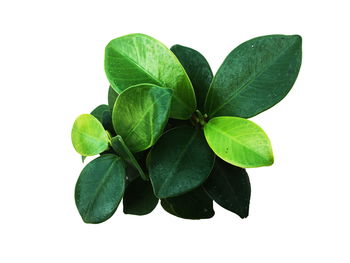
192,205
255,76
112,96
229,186
198,70
139,198
140,114
100,188
122,150
137,58
179,162
104,115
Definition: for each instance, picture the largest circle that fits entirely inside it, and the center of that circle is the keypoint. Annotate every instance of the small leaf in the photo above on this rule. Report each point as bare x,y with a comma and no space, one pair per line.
139,198
229,186
104,115
83,158
198,70
179,162
239,141
140,114
192,205
112,97
100,188
88,135
255,76
122,150
138,58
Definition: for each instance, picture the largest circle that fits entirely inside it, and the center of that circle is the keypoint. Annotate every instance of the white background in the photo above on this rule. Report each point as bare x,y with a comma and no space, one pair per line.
51,70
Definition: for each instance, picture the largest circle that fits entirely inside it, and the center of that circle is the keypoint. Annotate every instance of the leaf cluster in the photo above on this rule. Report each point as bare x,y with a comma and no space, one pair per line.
175,132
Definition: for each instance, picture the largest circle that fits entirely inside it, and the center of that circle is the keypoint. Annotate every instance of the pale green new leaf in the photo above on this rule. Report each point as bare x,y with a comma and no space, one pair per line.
138,58
88,135
140,114
239,141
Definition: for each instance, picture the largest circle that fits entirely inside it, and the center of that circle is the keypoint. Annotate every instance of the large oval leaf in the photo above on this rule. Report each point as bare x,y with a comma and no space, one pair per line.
179,162
239,141
100,188
137,58
140,114
139,198
198,70
88,135
255,76
229,186
192,205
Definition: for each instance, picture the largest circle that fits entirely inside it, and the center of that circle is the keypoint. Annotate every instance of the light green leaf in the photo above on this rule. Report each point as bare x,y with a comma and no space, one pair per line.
179,162
140,114
100,188
138,58
88,135
255,76
239,141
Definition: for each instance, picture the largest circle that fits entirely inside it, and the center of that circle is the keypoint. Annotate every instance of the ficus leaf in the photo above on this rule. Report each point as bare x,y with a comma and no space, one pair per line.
88,135
140,114
239,141
229,186
255,76
139,198
122,150
138,58
104,115
195,204
179,162
100,188
198,70
112,96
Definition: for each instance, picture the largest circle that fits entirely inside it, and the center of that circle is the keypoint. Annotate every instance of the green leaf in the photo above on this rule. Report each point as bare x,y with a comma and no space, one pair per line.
179,162
255,76
100,188
112,96
88,135
239,141
137,58
139,198
198,70
192,205
229,186
140,114
104,115
122,150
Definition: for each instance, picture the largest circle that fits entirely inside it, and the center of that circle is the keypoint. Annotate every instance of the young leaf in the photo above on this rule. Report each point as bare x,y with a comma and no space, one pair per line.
139,198
112,96
100,188
198,70
122,150
140,114
179,162
137,58
88,135
239,141
255,76
192,205
229,186
104,115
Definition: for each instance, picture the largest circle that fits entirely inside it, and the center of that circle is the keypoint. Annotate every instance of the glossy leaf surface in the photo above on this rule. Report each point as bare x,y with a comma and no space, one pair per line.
192,205
89,136
229,186
100,188
122,150
138,58
198,70
179,162
239,141
139,198
255,76
140,114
